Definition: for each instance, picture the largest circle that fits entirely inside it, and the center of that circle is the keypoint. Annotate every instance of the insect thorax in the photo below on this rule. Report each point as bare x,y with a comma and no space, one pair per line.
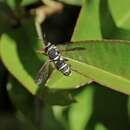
52,52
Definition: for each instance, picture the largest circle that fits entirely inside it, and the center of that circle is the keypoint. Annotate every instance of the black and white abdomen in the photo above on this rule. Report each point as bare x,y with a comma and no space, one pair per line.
63,67
58,61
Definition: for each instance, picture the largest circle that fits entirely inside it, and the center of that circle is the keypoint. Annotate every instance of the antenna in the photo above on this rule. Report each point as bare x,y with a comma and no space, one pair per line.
45,39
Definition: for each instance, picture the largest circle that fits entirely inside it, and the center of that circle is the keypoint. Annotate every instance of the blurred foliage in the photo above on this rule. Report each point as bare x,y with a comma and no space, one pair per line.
62,103
73,2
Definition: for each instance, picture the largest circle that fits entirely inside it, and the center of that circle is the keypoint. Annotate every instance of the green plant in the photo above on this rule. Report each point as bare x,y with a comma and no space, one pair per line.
102,64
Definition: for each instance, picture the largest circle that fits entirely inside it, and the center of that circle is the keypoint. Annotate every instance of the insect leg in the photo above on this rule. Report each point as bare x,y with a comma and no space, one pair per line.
41,51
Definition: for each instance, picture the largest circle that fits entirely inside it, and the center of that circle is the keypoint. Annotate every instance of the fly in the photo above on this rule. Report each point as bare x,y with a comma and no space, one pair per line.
52,51
55,57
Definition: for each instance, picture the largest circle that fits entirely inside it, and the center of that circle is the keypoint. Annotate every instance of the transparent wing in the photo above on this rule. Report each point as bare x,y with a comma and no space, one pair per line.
71,47
82,45
42,73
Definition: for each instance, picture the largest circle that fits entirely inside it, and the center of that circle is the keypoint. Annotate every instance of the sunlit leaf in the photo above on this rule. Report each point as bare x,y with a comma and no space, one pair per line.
73,2
107,56
27,2
19,56
121,15
59,81
84,99
100,126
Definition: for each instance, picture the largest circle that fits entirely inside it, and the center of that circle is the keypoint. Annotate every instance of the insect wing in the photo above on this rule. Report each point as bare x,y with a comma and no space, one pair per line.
42,73
71,47
82,45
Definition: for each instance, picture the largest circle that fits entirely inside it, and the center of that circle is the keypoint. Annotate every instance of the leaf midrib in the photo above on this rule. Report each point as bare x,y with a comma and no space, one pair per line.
115,81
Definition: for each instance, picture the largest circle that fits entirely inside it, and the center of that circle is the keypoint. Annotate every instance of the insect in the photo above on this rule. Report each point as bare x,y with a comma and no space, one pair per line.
60,63
55,57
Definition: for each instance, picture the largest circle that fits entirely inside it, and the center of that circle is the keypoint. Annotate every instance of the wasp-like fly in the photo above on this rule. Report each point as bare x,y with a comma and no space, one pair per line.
55,57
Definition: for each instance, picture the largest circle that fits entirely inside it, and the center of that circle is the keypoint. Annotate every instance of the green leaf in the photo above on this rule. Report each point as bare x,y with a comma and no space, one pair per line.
12,3
28,2
19,56
22,100
27,107
73,2
5,18
58,81
104,62
85,19
80,112
9,49
21,60
121,16
56,97
88,24
100,126
110,62
113,16
99,19
16,3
